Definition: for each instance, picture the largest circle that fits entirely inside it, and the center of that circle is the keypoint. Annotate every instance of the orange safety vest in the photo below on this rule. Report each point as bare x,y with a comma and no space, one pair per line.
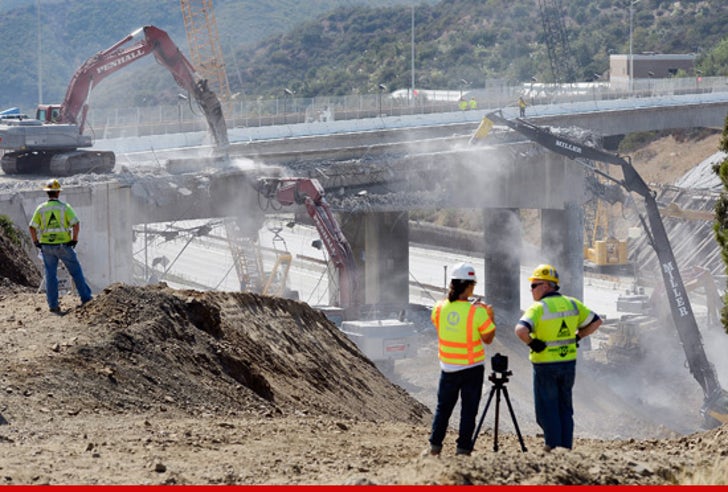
459,331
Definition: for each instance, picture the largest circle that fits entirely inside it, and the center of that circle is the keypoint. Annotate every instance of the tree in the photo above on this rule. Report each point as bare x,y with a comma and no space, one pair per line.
721,215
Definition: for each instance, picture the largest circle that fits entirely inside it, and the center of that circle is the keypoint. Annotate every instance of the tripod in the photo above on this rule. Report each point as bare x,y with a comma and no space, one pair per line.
499,380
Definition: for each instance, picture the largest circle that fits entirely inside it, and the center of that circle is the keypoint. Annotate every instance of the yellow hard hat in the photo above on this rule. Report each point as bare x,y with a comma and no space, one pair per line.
52,185
545,272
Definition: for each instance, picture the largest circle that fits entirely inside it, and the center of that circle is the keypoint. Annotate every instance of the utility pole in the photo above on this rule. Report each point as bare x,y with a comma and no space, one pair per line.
40,53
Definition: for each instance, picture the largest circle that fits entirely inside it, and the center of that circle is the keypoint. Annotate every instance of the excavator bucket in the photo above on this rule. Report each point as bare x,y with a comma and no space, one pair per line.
715,409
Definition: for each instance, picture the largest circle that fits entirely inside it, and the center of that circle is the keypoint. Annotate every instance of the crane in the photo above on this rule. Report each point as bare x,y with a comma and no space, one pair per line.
204,45
557,41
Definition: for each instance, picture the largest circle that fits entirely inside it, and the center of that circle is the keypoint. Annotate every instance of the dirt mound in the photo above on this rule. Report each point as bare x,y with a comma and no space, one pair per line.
140,348
16,268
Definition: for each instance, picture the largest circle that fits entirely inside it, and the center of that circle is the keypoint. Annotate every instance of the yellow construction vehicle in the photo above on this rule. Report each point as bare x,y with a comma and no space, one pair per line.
249,266
606,253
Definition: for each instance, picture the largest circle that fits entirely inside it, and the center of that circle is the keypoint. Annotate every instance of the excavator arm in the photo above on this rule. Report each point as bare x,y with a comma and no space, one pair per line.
308,192
74,107
715,407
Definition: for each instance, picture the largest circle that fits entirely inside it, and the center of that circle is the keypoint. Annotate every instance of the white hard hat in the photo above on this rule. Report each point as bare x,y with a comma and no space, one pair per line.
463,271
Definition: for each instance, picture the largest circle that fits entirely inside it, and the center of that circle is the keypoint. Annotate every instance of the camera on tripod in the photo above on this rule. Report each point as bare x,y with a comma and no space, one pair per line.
499,364
499,378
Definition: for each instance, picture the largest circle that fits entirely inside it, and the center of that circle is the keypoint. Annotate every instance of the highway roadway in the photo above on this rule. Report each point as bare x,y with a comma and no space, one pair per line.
178,255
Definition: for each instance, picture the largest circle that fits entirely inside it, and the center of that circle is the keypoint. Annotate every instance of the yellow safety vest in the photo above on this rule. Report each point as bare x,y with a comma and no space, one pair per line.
54,220
459,325
555,320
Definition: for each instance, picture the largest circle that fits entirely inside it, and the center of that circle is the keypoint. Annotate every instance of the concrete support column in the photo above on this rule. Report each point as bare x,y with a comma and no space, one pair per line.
501,278
386,259
562,242
380,242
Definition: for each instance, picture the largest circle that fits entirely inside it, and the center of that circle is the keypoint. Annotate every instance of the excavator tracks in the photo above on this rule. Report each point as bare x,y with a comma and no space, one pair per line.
58,164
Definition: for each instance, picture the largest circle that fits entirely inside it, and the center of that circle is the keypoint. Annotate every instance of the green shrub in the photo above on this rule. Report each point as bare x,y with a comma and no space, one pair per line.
9,230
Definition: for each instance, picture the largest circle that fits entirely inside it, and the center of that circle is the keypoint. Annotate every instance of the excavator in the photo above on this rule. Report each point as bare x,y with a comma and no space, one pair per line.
287,191
51,143
715,404
382,340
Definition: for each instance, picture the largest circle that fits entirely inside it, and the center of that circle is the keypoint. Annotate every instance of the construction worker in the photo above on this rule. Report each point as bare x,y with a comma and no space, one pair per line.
54,230
462,329
462,104
522,107
552,327
473,104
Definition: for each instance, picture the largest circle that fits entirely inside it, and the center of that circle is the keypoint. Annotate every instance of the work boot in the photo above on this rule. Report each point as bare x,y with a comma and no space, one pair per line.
56,310
432,451
462,452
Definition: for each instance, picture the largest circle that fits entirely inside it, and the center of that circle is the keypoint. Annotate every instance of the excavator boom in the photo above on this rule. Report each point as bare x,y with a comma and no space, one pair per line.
310,193
106,62
715,407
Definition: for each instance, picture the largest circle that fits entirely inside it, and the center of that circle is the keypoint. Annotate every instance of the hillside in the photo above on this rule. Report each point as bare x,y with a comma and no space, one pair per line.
74,30
349,47
352,51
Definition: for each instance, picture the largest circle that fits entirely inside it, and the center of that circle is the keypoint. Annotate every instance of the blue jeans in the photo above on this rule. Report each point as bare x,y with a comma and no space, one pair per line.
468,384
51,254
552,385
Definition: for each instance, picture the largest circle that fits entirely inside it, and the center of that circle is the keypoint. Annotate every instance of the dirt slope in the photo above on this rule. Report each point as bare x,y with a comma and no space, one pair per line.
150,386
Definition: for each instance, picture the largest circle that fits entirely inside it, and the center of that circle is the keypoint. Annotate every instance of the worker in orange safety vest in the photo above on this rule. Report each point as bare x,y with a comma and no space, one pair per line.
463,327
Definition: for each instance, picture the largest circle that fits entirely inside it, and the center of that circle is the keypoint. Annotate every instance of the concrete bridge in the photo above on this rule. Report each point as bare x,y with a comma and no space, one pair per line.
423,158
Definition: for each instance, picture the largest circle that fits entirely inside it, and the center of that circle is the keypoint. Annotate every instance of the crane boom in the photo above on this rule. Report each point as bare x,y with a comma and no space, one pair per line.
716,400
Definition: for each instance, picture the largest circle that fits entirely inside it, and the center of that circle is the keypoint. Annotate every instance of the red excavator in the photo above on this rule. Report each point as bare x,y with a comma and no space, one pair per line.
287,191
50,143
382,340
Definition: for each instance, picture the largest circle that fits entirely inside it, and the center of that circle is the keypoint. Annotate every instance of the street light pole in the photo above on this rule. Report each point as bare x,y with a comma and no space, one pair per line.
631,57
287,92
463,84
412,55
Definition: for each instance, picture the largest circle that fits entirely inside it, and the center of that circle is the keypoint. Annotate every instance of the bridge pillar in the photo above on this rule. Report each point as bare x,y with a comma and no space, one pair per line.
562,245
502,239
381,240
386,260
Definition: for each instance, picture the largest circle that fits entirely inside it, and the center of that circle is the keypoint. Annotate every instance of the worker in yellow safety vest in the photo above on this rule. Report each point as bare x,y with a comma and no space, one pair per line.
54,230
462,104
521,107
552,327
462,329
